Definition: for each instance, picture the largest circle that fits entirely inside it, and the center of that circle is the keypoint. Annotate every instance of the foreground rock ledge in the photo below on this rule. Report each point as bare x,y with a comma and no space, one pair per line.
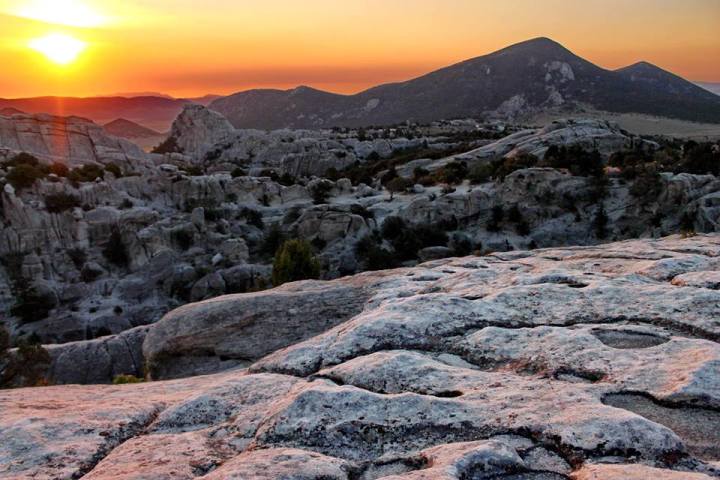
574,363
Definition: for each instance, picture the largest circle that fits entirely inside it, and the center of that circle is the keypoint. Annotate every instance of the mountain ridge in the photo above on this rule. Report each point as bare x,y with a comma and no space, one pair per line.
535,74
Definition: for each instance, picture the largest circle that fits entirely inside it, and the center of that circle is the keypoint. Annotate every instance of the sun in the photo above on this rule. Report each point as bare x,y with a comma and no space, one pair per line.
58,47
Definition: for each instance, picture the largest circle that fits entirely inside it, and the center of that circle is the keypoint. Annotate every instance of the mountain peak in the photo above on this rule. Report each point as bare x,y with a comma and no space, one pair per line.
538,46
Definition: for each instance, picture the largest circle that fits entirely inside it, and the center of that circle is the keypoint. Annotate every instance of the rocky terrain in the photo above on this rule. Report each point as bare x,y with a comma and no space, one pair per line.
596,362
521,80
121,237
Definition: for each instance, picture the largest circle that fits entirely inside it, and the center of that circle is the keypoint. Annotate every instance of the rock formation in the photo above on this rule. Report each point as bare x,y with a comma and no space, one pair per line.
570,363
119,252
73,141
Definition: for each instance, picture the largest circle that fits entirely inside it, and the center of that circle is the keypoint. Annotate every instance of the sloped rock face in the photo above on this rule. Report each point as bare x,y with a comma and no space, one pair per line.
71,140
210,140
574,363
590,135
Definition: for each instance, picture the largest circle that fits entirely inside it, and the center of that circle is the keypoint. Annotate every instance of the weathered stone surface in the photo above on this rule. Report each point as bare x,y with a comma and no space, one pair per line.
71,140
243,328
582,363
98,361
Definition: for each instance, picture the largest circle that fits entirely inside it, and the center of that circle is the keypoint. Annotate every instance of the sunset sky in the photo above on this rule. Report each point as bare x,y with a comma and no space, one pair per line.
191,48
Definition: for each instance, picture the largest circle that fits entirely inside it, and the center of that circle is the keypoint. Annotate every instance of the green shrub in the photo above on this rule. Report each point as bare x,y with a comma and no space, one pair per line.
22,158
4,341
59,169
114,169
481,173
462,246
398,185
453,173
28,367
393,227
320,192
294,261
647,185
509,165
497,215
169,145
687,223
286,180
115,250
252,217
515,216
123,379
30,305
61,202
600,223
86,173
362,211
574,158
194,170
24,176
238,172
375,257
272,241
183,239
78,257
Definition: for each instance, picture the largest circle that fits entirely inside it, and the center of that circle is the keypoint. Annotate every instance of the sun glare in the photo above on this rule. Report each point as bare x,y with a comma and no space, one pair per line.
72,13
59,48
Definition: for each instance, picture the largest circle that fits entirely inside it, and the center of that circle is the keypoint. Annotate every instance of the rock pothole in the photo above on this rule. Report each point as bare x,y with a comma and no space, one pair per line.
699,428
628,339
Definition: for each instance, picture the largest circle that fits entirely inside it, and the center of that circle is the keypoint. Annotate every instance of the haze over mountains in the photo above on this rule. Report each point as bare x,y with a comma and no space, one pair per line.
528,78
151,111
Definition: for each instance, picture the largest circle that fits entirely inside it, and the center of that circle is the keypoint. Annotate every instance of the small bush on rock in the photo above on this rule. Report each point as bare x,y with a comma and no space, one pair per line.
126,379
61,202
272,241
252,217
398,185
31,305
24,176
320,192
169,145
86,173
115,250
183,238
27,368
114,169
375,257
238,172
295,261
4,341
59,169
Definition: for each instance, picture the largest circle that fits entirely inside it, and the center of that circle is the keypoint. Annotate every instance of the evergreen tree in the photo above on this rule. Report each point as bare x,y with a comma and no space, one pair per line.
295,261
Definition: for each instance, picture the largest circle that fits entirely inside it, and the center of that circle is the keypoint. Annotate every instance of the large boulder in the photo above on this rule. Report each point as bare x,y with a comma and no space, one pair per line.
239,329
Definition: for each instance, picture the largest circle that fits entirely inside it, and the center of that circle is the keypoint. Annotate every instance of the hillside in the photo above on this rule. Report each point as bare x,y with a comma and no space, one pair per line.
126,129
531,76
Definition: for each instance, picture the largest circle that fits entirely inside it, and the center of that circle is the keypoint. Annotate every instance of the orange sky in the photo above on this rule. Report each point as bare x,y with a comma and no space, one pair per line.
192,47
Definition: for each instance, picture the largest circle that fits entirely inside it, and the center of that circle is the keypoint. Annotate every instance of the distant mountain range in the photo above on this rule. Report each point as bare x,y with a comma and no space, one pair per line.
535,75
154,112
127,129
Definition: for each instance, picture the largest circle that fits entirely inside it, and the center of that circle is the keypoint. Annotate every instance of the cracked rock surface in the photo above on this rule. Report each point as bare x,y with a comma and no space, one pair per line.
576,363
